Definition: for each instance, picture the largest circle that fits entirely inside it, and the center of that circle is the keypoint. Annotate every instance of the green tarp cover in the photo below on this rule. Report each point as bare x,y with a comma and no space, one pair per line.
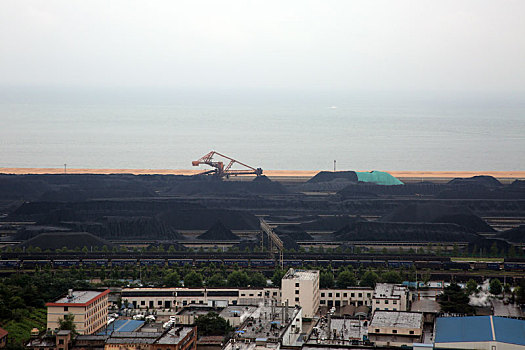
378,177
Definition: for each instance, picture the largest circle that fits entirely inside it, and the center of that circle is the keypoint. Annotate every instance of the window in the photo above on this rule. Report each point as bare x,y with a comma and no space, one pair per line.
323,302
296,292
296,299
60,341
352,295
274,294
386,309
345,295
329,295
386,302
377,301
377,330
322,295
394,309
411,332
394,331
297,285
66,308
159,302
394,302
337,295
368,295
143,302
251,294
360,295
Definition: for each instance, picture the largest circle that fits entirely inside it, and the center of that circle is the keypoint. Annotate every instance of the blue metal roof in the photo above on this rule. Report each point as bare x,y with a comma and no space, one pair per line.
509,330
122,326
479,329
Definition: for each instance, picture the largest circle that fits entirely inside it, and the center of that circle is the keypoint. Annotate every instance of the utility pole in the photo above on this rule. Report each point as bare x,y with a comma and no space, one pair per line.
334,165
65,165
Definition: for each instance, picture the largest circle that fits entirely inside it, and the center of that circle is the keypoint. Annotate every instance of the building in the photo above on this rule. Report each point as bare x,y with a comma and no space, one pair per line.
390,297
3,337
177,338
89,308
350,296
480,332
301,288
175,298
395,328
338,331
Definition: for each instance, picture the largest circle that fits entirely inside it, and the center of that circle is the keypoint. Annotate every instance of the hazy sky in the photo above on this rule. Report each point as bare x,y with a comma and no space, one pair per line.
418,45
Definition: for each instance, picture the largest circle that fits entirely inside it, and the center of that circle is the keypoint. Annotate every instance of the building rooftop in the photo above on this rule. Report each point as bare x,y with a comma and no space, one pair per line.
396,319
241,311
338,331
480,329
303,275
175,335
79,297
122,326
425,305
268,322
133,338
387,290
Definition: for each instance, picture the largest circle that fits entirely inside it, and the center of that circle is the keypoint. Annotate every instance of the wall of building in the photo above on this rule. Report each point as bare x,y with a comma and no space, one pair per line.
302,292
348,296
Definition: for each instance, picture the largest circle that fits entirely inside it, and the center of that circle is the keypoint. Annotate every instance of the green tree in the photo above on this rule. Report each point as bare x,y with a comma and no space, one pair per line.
326,279
172,279
277,277
238,279
212,324
193,280
216,280
85,250
494,250
455,300
67,323
369,279
391,277
346,279
471,287
258,280
495,286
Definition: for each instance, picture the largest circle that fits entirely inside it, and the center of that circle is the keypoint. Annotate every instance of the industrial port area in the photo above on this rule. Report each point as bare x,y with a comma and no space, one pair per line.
341,259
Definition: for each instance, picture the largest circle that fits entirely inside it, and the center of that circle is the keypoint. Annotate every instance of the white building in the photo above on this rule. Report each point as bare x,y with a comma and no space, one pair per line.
390,297
394,328
301,288
356,296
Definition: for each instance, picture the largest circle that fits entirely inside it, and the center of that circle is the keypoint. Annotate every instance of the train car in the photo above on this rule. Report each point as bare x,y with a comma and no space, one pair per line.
238,262
95,262
353,263
397,264
478,265
9,264
152,262
66,263
452,265
29,264
310,262
378,263
292,263
338,263
123,262
262,263
180,262
201,262
323,262
431,265
494,266
514,266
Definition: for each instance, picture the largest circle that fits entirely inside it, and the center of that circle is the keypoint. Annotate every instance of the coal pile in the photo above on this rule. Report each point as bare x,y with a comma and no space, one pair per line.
262,178
389,231
70,240
330,223
363,189
204,218
295,232
437,213
515,235
219,232
328,176
481,180
202,185
27,232
115,227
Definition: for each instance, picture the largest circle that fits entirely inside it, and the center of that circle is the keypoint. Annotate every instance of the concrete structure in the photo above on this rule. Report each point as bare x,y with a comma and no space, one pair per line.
394,328
301,288
238,314
188,314
349,296
388,297
175,298
480,332
89,308
338,331
3,337
270,324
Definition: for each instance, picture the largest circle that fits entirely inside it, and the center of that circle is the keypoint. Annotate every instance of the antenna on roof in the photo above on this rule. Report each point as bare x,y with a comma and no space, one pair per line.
334,165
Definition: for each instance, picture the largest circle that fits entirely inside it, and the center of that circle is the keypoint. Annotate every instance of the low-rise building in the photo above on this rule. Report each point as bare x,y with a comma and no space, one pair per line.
340,331
349,296
395,328
390,297
3,337
301,288
480,332
175,298
89,308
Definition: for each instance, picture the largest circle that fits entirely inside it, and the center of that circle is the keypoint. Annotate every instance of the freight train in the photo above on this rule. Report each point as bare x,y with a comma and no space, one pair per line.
259,263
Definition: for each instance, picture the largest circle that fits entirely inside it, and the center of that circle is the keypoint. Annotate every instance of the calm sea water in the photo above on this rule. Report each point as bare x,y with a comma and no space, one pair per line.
295,133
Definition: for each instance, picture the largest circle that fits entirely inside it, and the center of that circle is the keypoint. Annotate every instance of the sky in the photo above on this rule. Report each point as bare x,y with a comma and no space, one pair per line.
371,45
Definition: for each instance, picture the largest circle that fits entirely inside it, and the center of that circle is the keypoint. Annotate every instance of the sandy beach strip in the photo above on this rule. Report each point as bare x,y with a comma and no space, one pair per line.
270,173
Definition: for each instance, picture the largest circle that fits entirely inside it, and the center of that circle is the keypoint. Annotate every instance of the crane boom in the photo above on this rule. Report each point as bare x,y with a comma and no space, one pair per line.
220,170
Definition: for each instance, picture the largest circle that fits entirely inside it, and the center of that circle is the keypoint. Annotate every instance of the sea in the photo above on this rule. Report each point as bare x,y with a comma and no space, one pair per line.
155,129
